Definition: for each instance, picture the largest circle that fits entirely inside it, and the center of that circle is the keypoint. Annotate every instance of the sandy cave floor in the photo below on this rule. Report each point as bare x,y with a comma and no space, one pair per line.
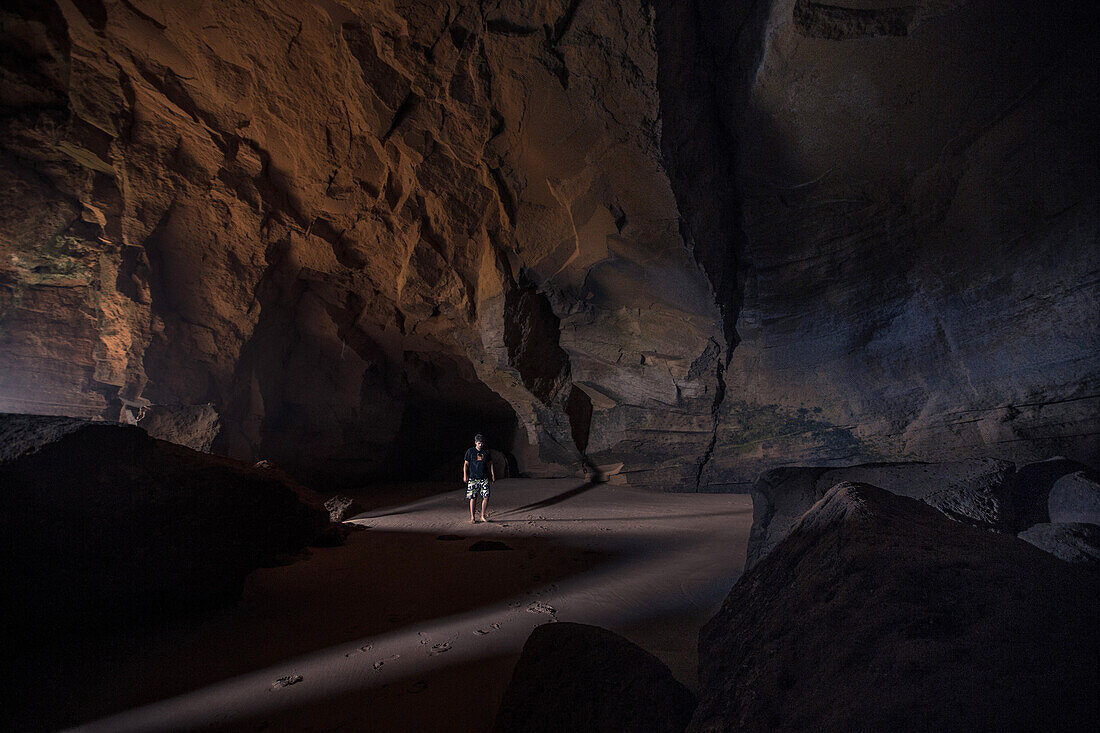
409,625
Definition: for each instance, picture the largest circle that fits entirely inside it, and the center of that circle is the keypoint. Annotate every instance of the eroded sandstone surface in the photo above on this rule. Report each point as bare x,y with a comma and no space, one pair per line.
678,241
353,229
916,254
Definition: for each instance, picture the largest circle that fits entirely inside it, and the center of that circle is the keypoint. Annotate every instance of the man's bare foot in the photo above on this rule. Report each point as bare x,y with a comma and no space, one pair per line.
473,521
485,517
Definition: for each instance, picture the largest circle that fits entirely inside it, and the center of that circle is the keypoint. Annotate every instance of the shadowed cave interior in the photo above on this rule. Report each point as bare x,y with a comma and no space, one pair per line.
779,318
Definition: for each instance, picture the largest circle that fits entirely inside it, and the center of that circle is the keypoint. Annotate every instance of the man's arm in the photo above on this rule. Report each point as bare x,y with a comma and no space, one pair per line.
465,471
492,472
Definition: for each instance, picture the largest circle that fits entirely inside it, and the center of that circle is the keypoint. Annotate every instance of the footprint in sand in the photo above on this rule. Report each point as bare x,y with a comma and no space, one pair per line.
360,650
382,662
541,607
291,679
424,638
492,627
443,646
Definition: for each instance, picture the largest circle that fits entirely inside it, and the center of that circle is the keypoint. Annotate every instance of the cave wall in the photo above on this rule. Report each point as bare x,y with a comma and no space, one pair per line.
297,214
918,222
683,241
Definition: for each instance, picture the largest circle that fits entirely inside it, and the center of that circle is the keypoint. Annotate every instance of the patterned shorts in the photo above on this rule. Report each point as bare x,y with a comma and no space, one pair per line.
475,486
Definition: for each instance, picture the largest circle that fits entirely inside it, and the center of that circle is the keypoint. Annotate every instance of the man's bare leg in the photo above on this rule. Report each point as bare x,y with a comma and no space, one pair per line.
472,520
485,509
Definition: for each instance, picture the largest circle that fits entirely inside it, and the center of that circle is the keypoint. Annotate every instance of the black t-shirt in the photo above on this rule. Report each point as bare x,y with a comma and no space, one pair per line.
479,462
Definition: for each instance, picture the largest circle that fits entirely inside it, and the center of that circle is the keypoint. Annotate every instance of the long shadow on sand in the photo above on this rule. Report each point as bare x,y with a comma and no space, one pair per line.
377,583
556,499
418,506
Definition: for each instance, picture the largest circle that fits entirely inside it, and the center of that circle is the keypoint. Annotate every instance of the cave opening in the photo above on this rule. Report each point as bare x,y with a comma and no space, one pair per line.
444,409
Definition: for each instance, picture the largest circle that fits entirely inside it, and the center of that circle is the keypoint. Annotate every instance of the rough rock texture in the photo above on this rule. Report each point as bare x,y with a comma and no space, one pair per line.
1075,498
1072,542
361,229
105,525
358,230
195,426
192,426
575,677
341,508
914,227
23,434
975,491
877,613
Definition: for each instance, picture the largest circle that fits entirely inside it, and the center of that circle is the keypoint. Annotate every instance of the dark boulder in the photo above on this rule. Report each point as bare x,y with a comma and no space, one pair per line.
973,491
1030,488
106,526
1075,497
575,677
195,426
1071,541
878,613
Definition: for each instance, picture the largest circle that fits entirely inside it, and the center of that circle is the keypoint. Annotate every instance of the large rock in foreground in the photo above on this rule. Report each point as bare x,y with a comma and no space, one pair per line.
575,677
105,526
878,613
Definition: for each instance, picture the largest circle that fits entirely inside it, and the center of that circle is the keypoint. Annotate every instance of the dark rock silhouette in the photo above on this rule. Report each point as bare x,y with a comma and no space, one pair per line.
576,677
1032,484
878,613
109,527
976,491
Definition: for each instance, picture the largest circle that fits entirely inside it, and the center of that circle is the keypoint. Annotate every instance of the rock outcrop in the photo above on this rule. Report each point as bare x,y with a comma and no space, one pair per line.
576,677
911,258
976,492
878,613
1075,498
342,508
1032,484
359,231
106,527
1070,541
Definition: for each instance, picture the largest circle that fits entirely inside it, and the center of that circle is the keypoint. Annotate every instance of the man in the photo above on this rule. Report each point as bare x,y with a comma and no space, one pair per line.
477,473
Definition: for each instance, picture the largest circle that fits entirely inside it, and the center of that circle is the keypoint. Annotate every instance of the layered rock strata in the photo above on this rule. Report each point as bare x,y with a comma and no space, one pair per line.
354,229
916,223
681,241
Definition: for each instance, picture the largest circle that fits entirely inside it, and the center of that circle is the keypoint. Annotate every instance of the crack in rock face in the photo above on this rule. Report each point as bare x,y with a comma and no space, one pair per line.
885,211
531,332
